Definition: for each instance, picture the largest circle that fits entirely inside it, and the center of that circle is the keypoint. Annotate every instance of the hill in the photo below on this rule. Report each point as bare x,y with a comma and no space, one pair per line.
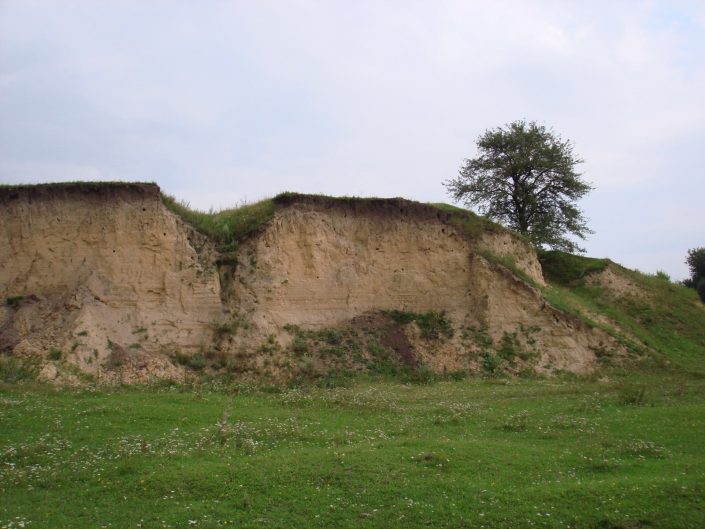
119,282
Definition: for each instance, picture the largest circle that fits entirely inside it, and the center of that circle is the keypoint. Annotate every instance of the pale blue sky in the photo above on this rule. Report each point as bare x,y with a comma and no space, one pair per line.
220,102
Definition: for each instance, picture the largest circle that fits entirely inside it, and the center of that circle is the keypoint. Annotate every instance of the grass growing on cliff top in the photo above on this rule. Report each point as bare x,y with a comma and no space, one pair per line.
227,226
468,222
514,454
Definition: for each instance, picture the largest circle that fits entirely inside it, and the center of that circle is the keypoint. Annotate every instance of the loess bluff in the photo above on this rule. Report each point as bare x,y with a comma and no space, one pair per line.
105,280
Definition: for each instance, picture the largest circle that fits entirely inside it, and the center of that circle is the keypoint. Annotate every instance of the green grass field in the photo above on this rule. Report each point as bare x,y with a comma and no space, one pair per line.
627,452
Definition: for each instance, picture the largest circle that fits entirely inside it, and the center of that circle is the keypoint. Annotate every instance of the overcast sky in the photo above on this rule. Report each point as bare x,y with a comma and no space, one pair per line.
224,101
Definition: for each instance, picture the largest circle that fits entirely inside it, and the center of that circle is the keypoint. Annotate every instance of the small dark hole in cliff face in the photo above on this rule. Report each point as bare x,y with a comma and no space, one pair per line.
144,209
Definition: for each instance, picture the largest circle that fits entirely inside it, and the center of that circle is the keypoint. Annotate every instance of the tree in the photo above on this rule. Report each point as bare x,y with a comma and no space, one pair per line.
525,178
696,263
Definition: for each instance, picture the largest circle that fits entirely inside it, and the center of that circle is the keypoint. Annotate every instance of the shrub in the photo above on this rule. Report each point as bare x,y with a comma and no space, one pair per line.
197,361
299,345
54,354
402,317
490,363
433,324
421,375
509,347
14,301
331,336
479,336
14,370
306,368
226,328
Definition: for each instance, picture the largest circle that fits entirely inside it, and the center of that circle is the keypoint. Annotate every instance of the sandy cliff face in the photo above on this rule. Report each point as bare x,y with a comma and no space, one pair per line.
314,266
319,268
105,278
108,277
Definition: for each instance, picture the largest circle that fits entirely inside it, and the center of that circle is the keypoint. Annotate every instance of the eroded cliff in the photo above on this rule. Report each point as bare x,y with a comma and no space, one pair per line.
105,278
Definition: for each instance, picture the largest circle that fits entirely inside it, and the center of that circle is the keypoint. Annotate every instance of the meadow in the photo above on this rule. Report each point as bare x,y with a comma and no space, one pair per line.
621,451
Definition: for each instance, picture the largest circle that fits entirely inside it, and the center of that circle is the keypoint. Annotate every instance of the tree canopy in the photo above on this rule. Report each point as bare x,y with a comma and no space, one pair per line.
696,264
525,178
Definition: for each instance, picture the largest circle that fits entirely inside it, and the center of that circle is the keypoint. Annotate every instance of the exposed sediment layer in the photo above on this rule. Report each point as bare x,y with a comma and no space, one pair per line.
106,278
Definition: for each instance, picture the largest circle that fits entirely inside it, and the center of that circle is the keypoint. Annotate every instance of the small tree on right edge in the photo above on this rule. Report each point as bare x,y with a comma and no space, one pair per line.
696,263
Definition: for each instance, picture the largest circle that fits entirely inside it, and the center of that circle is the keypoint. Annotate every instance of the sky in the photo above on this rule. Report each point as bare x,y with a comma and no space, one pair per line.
222,102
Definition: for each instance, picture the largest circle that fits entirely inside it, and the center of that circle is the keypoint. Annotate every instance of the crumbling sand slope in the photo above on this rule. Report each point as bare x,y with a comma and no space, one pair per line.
105,278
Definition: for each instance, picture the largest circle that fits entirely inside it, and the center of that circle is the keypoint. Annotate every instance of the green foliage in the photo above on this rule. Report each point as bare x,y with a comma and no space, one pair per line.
227,227
660,274
299,345
696,264
270,345
402,317
14,301
433,324
419,375
525,178
479,336
196,361
337,378
700,289
490,363
226,328
567,269
14,370
509,347
54,354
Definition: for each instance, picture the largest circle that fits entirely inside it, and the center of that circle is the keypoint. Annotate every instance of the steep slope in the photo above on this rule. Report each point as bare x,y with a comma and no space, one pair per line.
102,275
105,279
